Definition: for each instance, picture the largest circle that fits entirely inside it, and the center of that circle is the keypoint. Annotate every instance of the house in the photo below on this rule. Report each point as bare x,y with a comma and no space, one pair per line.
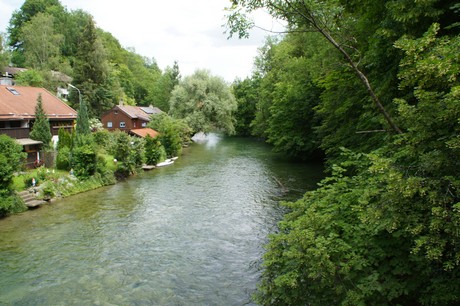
17,115
127,117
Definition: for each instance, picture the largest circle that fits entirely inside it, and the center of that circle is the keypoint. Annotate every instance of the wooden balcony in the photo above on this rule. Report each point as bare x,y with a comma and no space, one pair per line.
16,132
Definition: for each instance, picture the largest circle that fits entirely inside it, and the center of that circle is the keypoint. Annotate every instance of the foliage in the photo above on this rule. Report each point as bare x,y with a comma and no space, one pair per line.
91,72
63,158
205,102
84,161
82,125
11,157
10,203
246,94
154,151
41,127
173,133
4,53
41,44
65,139
129,152
28,10
161,93
30,77
357,240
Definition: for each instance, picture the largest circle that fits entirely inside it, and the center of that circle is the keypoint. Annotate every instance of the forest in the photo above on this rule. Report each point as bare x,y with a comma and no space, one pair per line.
373,88
369,87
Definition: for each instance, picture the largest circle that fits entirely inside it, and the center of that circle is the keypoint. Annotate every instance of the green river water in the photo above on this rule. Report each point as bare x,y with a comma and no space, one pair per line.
192,233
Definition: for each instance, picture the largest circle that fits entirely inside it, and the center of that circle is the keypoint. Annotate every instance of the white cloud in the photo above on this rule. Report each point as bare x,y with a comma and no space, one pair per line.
190,32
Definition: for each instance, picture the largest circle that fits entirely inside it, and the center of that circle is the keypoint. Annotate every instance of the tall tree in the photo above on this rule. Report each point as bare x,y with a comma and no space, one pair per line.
4,54
164,86
324,17
82,127
205,102
41,43
91,71
246,94
28,10
41,128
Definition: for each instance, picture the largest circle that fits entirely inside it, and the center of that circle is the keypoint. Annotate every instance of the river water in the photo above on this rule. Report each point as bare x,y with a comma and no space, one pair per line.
192,233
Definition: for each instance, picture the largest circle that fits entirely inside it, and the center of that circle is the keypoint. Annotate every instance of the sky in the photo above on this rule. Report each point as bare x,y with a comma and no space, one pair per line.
186,31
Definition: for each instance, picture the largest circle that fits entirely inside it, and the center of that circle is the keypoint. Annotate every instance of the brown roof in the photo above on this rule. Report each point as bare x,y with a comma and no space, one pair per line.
18,102
144,132
139,112
14,70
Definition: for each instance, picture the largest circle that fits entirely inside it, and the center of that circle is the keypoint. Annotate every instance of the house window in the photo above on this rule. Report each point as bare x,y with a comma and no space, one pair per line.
109,124
122,124
144,124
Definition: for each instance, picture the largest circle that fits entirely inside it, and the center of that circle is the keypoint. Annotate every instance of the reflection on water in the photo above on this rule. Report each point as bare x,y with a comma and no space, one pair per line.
188,234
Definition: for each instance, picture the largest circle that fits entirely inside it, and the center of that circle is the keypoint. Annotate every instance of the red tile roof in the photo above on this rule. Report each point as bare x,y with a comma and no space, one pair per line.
144,132
18,102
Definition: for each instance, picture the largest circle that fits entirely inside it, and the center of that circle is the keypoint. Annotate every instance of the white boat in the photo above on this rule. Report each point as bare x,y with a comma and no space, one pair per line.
174,158
165,163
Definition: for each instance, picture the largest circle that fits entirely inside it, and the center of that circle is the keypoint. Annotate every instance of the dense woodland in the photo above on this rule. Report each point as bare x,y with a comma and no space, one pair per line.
371,87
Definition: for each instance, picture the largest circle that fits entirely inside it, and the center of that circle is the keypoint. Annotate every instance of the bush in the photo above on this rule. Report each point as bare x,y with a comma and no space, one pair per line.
10,203
154,151
63,159
11,157
84,161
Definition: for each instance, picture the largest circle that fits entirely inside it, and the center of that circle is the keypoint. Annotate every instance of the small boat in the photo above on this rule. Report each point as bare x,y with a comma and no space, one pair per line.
174,158
165,163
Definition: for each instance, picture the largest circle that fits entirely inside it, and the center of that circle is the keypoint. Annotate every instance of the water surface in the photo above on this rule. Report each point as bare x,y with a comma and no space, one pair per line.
188,234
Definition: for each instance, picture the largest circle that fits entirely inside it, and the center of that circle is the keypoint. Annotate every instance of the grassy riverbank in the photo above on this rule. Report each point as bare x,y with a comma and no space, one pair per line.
52,183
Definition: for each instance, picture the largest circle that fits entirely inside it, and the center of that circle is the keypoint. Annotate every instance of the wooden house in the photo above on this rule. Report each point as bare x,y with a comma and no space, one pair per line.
17,115
127,117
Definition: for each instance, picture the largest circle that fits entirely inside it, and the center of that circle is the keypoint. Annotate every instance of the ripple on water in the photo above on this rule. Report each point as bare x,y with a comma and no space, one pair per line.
188,234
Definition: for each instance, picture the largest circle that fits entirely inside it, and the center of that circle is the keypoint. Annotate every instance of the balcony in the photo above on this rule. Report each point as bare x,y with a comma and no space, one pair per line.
16,132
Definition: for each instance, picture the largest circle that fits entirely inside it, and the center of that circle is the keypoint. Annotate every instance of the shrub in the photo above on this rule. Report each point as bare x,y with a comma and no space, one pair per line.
63,159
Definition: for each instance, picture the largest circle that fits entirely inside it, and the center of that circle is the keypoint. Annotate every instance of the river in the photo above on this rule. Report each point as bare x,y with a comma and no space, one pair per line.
192,233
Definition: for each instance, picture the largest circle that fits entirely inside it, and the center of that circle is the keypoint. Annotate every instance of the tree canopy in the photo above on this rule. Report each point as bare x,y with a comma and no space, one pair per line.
382,228
41,126
205,102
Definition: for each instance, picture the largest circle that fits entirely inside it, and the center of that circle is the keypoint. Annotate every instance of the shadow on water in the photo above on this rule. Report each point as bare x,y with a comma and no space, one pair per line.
188,234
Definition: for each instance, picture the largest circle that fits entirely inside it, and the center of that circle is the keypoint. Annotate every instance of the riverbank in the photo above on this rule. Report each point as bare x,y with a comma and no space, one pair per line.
50,184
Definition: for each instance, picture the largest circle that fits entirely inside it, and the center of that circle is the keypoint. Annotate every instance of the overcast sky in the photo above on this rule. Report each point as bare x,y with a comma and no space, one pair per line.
188,31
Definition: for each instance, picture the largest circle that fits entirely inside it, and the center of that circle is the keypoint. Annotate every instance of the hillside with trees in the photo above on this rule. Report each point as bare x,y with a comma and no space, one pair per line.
43,36
373,86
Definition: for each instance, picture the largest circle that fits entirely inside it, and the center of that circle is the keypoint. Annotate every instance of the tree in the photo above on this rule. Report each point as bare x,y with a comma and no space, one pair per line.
173,133
41,44
154,150
4,54
28,10
11,158
205,102
382,229
246,94
82,125
91,72
325,17
30,77
164,86
41,127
